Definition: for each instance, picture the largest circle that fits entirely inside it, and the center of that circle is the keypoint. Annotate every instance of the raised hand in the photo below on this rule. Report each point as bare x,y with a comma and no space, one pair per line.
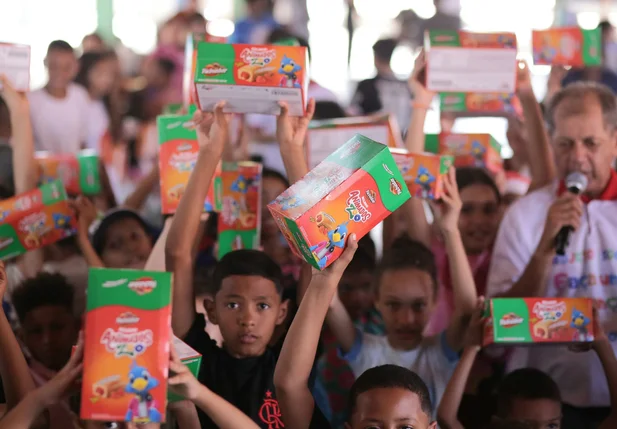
212,129
332,274
291,130
181,381
448,209
523,79
475,334
15,101
416,84
86,214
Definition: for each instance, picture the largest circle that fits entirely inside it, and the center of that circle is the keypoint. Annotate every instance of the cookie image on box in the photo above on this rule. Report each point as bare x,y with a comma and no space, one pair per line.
109,387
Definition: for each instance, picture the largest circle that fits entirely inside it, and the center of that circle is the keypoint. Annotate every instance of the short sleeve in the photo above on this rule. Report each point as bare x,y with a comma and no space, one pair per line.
198,338
365,352
511,253
450,354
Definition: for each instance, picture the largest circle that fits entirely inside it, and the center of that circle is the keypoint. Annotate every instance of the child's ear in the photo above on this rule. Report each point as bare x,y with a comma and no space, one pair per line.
283,308
210,310
432,425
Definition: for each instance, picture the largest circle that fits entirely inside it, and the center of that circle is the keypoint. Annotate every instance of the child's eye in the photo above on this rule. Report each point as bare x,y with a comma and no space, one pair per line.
232,305
393,306
263,306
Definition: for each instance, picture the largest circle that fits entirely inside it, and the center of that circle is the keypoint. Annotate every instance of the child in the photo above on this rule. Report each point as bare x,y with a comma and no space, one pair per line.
246,303
49,329
527,395
60,110
406,295
384,396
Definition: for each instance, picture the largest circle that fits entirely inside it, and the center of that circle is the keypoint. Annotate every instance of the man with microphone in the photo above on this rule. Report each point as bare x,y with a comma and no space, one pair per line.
561,241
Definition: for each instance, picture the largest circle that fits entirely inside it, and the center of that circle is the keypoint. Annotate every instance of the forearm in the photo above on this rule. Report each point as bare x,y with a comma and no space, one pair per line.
451,400
414,141
185,414
14,370
295,163
92,258
609,364
463,283
295,362
144,188
537,145
24,165
341,325
222,413
533,281
156,260
24,414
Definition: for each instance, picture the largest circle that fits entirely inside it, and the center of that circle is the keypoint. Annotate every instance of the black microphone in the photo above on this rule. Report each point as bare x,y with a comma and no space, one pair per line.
576,183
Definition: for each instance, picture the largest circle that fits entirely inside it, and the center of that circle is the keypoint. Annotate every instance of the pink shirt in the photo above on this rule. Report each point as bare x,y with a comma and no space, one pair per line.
445,299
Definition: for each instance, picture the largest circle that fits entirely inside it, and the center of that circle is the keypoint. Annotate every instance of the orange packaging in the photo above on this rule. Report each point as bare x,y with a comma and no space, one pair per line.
538,320
466,105
468,150
127,334
568,46
325,136
35,219
460,61
178,153
423,172
351,191
80,173
15,65
251,78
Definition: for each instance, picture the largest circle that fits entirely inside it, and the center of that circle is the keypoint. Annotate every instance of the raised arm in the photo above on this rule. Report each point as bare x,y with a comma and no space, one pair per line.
463,285
138,197
418,227
212,134
13,367
537,145
86,215
291,134
295,362
25,172
447,411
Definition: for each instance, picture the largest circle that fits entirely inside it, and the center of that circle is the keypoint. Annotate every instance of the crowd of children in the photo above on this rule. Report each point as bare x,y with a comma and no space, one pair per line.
391,340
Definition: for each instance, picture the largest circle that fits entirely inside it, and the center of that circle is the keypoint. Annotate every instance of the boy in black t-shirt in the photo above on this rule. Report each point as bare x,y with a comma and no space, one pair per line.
246,299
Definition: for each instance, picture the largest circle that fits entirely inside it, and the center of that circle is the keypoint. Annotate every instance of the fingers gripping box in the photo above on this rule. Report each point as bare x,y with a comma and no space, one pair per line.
538,320
126,346
252,78
79,173
423,172
351,191
568,46
469,150
465,105
325,136
178,151
240,217
460,61
35,219
189,358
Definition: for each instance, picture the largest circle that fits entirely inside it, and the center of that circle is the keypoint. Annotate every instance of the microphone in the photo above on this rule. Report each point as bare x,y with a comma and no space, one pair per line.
576,183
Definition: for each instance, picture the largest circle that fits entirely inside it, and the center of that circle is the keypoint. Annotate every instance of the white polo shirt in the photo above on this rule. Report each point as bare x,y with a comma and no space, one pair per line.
589,269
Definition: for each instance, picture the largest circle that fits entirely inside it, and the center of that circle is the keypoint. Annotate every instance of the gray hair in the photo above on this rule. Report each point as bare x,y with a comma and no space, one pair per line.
578,91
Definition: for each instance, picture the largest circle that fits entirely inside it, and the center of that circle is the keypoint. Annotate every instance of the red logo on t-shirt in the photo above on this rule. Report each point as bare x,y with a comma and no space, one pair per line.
270,413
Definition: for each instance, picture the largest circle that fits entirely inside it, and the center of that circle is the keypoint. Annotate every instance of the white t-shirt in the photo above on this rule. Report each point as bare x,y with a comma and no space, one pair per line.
589,269
60,125
433,360
98,124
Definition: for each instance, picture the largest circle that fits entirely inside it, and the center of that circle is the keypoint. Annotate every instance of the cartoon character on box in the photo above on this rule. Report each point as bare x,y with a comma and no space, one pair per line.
580,323
289,70
336,238
63,222
142,408
424,179
478,151
547,52
506,40
291,202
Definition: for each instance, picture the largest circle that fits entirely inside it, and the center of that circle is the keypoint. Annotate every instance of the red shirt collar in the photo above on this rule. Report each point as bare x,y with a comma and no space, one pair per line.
609,193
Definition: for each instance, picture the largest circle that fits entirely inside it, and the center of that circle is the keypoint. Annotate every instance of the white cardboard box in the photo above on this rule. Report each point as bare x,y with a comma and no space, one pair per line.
15,65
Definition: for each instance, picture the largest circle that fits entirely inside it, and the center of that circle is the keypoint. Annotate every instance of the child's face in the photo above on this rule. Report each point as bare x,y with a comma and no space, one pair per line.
536,413
247,309
405,300
356,292
127,245
62,67
102,77
389,408
479,218
49,332
272,188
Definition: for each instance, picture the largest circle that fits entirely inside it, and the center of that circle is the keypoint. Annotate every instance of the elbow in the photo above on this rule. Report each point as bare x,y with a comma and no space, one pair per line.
285,383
